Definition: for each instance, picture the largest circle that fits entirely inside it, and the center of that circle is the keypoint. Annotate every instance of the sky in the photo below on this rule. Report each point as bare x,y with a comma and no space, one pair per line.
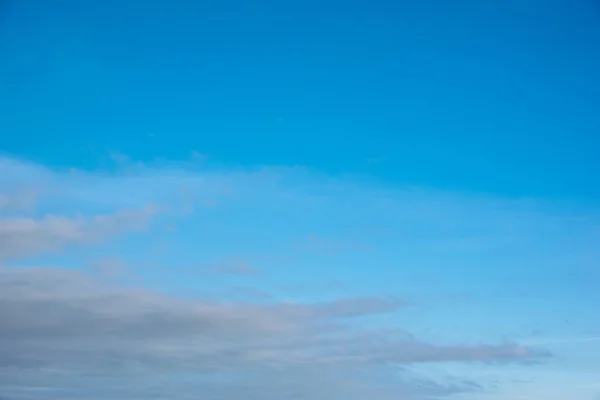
303,200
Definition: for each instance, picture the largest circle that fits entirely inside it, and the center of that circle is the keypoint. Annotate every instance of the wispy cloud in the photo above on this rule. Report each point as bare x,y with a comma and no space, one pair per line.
22,237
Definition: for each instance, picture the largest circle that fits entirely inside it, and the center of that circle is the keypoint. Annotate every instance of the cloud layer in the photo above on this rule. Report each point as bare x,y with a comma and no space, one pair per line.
67,333
58,324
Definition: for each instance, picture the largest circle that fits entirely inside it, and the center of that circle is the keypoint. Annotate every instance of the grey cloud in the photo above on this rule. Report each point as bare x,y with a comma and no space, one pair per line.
110,268
304,383
25,237
71,304
64,330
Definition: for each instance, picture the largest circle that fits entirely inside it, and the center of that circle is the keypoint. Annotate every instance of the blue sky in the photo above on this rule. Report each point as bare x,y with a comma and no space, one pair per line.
306,200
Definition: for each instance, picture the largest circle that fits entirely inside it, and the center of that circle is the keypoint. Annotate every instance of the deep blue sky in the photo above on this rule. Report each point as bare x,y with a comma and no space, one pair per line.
494,96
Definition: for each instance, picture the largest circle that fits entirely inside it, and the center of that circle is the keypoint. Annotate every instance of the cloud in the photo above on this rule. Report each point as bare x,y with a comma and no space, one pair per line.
22,237
18,200
110,268
63,326
64,334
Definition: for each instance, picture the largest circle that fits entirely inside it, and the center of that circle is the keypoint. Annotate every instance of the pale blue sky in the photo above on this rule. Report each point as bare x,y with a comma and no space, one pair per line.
307,200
